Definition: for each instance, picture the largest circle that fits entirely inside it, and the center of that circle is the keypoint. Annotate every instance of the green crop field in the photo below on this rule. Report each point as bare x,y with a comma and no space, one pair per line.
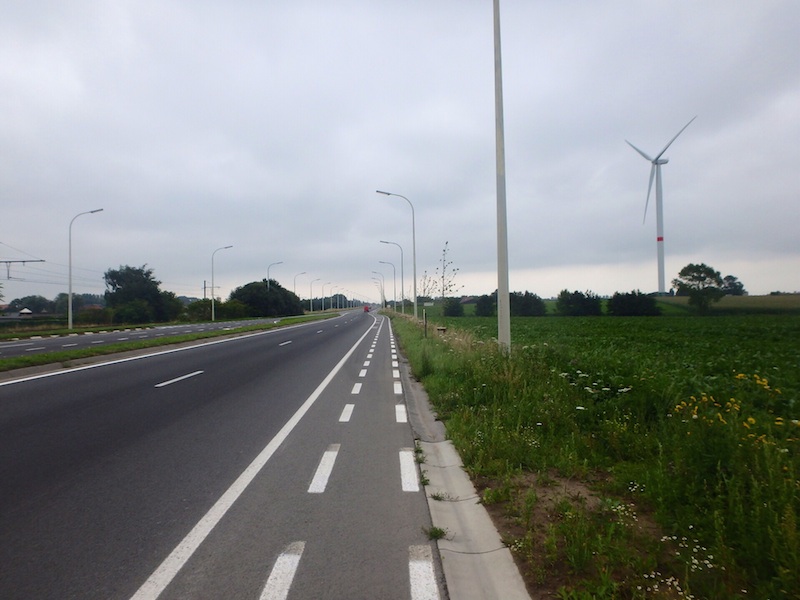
689,424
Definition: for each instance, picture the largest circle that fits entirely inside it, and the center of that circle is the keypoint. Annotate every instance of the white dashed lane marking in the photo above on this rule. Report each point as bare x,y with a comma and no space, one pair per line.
282,575
324,470
408,471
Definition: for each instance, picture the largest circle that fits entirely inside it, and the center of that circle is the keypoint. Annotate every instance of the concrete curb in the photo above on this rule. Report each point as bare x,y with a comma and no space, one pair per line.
475,562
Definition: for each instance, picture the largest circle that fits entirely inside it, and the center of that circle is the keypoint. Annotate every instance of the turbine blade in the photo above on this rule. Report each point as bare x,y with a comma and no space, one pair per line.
649,187
639,151
675,138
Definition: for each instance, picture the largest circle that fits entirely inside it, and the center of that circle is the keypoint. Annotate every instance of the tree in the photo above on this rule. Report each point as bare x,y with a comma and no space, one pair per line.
446,274
632,304
732,286
701,283
526,305
134,286
485,305
578,304
36,304
262,302
453,308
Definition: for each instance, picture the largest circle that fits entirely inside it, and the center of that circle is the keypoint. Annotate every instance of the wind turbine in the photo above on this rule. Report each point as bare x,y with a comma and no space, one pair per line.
655,170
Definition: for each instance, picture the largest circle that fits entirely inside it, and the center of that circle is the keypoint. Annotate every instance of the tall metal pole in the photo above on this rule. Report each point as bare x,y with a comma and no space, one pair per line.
268,268
213,313
402,279
394,282
383,284
413,245
311,295
503,299
294,288
323,295
69,296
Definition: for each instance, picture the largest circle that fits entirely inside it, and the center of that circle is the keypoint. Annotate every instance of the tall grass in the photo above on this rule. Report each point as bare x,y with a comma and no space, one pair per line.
693,419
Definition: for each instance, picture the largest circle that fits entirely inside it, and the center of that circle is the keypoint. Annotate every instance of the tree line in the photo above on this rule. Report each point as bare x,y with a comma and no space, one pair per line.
699,282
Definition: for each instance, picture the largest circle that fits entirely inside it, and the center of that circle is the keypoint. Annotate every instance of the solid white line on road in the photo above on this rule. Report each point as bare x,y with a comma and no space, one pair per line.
421,573
356,388
408,471
324,470
285,343
347,413
398,388
396,373
362,373
400,413
282,574
177,379
167,570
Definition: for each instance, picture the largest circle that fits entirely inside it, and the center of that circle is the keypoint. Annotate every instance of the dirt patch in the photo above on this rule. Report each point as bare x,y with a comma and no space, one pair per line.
533,513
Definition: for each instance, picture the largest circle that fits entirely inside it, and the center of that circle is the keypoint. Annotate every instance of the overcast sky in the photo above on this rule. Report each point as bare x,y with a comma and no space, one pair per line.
268,125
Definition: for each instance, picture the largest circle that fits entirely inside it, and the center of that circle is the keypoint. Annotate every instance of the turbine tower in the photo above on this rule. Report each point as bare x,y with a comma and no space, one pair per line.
655,170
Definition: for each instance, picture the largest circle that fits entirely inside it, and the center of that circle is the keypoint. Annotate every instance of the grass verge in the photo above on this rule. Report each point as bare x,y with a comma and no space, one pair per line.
630,458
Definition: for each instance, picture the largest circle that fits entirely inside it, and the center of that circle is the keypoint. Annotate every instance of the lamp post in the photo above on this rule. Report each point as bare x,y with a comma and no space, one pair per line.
268,268
413,245
503,299
213,314
383,285
69,299
294,288
402,279
379,285
311,295
323,295
394,282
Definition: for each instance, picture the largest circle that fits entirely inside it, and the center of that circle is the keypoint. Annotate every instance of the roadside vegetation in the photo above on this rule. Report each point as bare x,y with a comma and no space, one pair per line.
631,457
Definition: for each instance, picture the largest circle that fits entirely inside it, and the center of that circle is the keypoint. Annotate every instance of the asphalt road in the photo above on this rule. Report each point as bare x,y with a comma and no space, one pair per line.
270,464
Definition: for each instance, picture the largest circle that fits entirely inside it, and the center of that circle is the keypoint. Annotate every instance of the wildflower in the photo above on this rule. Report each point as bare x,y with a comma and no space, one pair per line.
779,421
580,408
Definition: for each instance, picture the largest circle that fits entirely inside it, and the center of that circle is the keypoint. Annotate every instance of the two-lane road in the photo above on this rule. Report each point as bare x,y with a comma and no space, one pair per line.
268,464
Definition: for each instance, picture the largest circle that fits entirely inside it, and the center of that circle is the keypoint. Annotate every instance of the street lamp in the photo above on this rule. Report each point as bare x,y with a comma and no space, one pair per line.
413,245
394,281
380,283
383,285
69,300
268,268
294,288
311,295
323,295
402,279
213,314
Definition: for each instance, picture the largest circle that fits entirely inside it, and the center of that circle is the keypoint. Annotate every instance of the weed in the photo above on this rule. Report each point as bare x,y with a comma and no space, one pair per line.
435,533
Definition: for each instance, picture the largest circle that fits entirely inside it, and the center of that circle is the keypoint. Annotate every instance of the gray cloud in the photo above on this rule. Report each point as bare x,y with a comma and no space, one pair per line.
269,126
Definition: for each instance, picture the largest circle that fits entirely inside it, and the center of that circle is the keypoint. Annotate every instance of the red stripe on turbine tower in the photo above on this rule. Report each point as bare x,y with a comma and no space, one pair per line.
660,238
